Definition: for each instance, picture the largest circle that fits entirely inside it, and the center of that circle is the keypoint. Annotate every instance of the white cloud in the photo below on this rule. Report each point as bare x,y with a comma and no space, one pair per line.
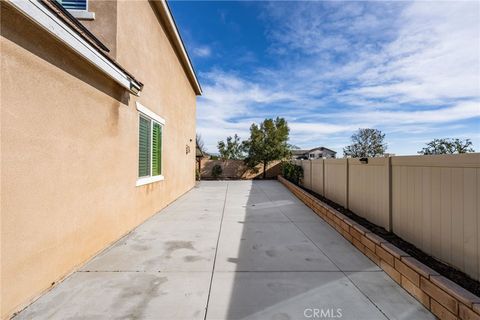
229,105
434,57
202,51
406,68
460,111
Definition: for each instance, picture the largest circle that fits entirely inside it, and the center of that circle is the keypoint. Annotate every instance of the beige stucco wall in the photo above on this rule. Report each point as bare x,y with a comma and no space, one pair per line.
104,26
69,148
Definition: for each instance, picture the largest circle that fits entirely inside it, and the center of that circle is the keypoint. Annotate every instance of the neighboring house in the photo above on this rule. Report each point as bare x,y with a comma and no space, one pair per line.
97,121
315,153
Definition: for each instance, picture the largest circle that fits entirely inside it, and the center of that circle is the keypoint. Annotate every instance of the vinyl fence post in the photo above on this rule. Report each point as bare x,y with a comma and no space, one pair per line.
346,183
310,164
323,177
389,195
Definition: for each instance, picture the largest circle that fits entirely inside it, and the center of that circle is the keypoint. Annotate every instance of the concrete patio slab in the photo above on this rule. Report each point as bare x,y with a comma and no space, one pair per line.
388,296
287,295
268,246
229,250
300,213
124,295
345,256
196,215
162,246
255,215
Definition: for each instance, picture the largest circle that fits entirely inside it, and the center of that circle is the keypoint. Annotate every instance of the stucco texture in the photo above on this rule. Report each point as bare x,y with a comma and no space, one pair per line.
69,147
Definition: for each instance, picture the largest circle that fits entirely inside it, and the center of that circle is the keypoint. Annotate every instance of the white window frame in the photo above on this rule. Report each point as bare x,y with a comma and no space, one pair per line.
153,117
82,14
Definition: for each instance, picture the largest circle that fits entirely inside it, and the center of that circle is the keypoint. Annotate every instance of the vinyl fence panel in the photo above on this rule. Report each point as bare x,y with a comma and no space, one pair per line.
336,180
317,176
307,173
435,206
368,190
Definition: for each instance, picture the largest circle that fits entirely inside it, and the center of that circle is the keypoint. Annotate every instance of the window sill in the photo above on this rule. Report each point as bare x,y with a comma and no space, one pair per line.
82,14
147,180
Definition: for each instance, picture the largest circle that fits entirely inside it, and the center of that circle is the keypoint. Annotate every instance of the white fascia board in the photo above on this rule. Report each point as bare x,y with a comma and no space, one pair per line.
36,12
149,113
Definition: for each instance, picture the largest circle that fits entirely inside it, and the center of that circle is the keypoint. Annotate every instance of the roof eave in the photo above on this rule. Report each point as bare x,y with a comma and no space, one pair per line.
41,14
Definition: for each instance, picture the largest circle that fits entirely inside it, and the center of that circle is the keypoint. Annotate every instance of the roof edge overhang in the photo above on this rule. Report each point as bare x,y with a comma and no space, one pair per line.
49,21
176,39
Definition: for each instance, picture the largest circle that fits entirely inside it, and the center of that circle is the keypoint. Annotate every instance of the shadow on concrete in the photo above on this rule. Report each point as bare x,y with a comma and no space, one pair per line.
276,259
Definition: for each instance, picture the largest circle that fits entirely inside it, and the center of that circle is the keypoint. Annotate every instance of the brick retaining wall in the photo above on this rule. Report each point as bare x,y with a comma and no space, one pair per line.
444,298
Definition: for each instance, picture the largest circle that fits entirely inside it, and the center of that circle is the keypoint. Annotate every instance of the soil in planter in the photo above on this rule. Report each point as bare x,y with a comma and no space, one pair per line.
449,272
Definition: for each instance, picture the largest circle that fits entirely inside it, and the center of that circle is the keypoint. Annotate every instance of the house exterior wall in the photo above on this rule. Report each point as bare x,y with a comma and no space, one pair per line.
318,154
313,154
69,147
104,27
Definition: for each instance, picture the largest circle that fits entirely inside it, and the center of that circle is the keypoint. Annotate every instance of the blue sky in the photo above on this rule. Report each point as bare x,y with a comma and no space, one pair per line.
410,69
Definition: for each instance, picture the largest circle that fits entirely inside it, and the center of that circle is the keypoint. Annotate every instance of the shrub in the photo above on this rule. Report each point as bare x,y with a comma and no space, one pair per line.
216,171
197,174
292,172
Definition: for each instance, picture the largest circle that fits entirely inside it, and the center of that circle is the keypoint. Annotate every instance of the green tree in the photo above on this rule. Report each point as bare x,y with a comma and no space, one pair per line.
447,146
231,149
366,143
216,171
268,142
292,172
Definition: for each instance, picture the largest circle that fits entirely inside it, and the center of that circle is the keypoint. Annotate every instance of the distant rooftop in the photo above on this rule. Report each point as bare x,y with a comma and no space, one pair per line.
303,151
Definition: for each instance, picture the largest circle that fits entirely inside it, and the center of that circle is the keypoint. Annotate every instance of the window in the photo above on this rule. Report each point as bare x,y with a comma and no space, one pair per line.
149,146
78,9
312,155
74,4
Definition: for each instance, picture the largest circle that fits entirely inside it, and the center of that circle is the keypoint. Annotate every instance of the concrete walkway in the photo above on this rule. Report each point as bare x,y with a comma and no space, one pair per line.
230,250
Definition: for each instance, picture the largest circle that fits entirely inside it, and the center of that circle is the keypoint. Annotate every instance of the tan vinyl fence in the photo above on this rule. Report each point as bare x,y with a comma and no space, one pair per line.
368,190
436,206
335,182
307,174
317,172
431,201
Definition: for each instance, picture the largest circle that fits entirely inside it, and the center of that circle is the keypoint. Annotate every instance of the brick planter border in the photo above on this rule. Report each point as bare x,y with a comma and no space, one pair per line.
444,298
